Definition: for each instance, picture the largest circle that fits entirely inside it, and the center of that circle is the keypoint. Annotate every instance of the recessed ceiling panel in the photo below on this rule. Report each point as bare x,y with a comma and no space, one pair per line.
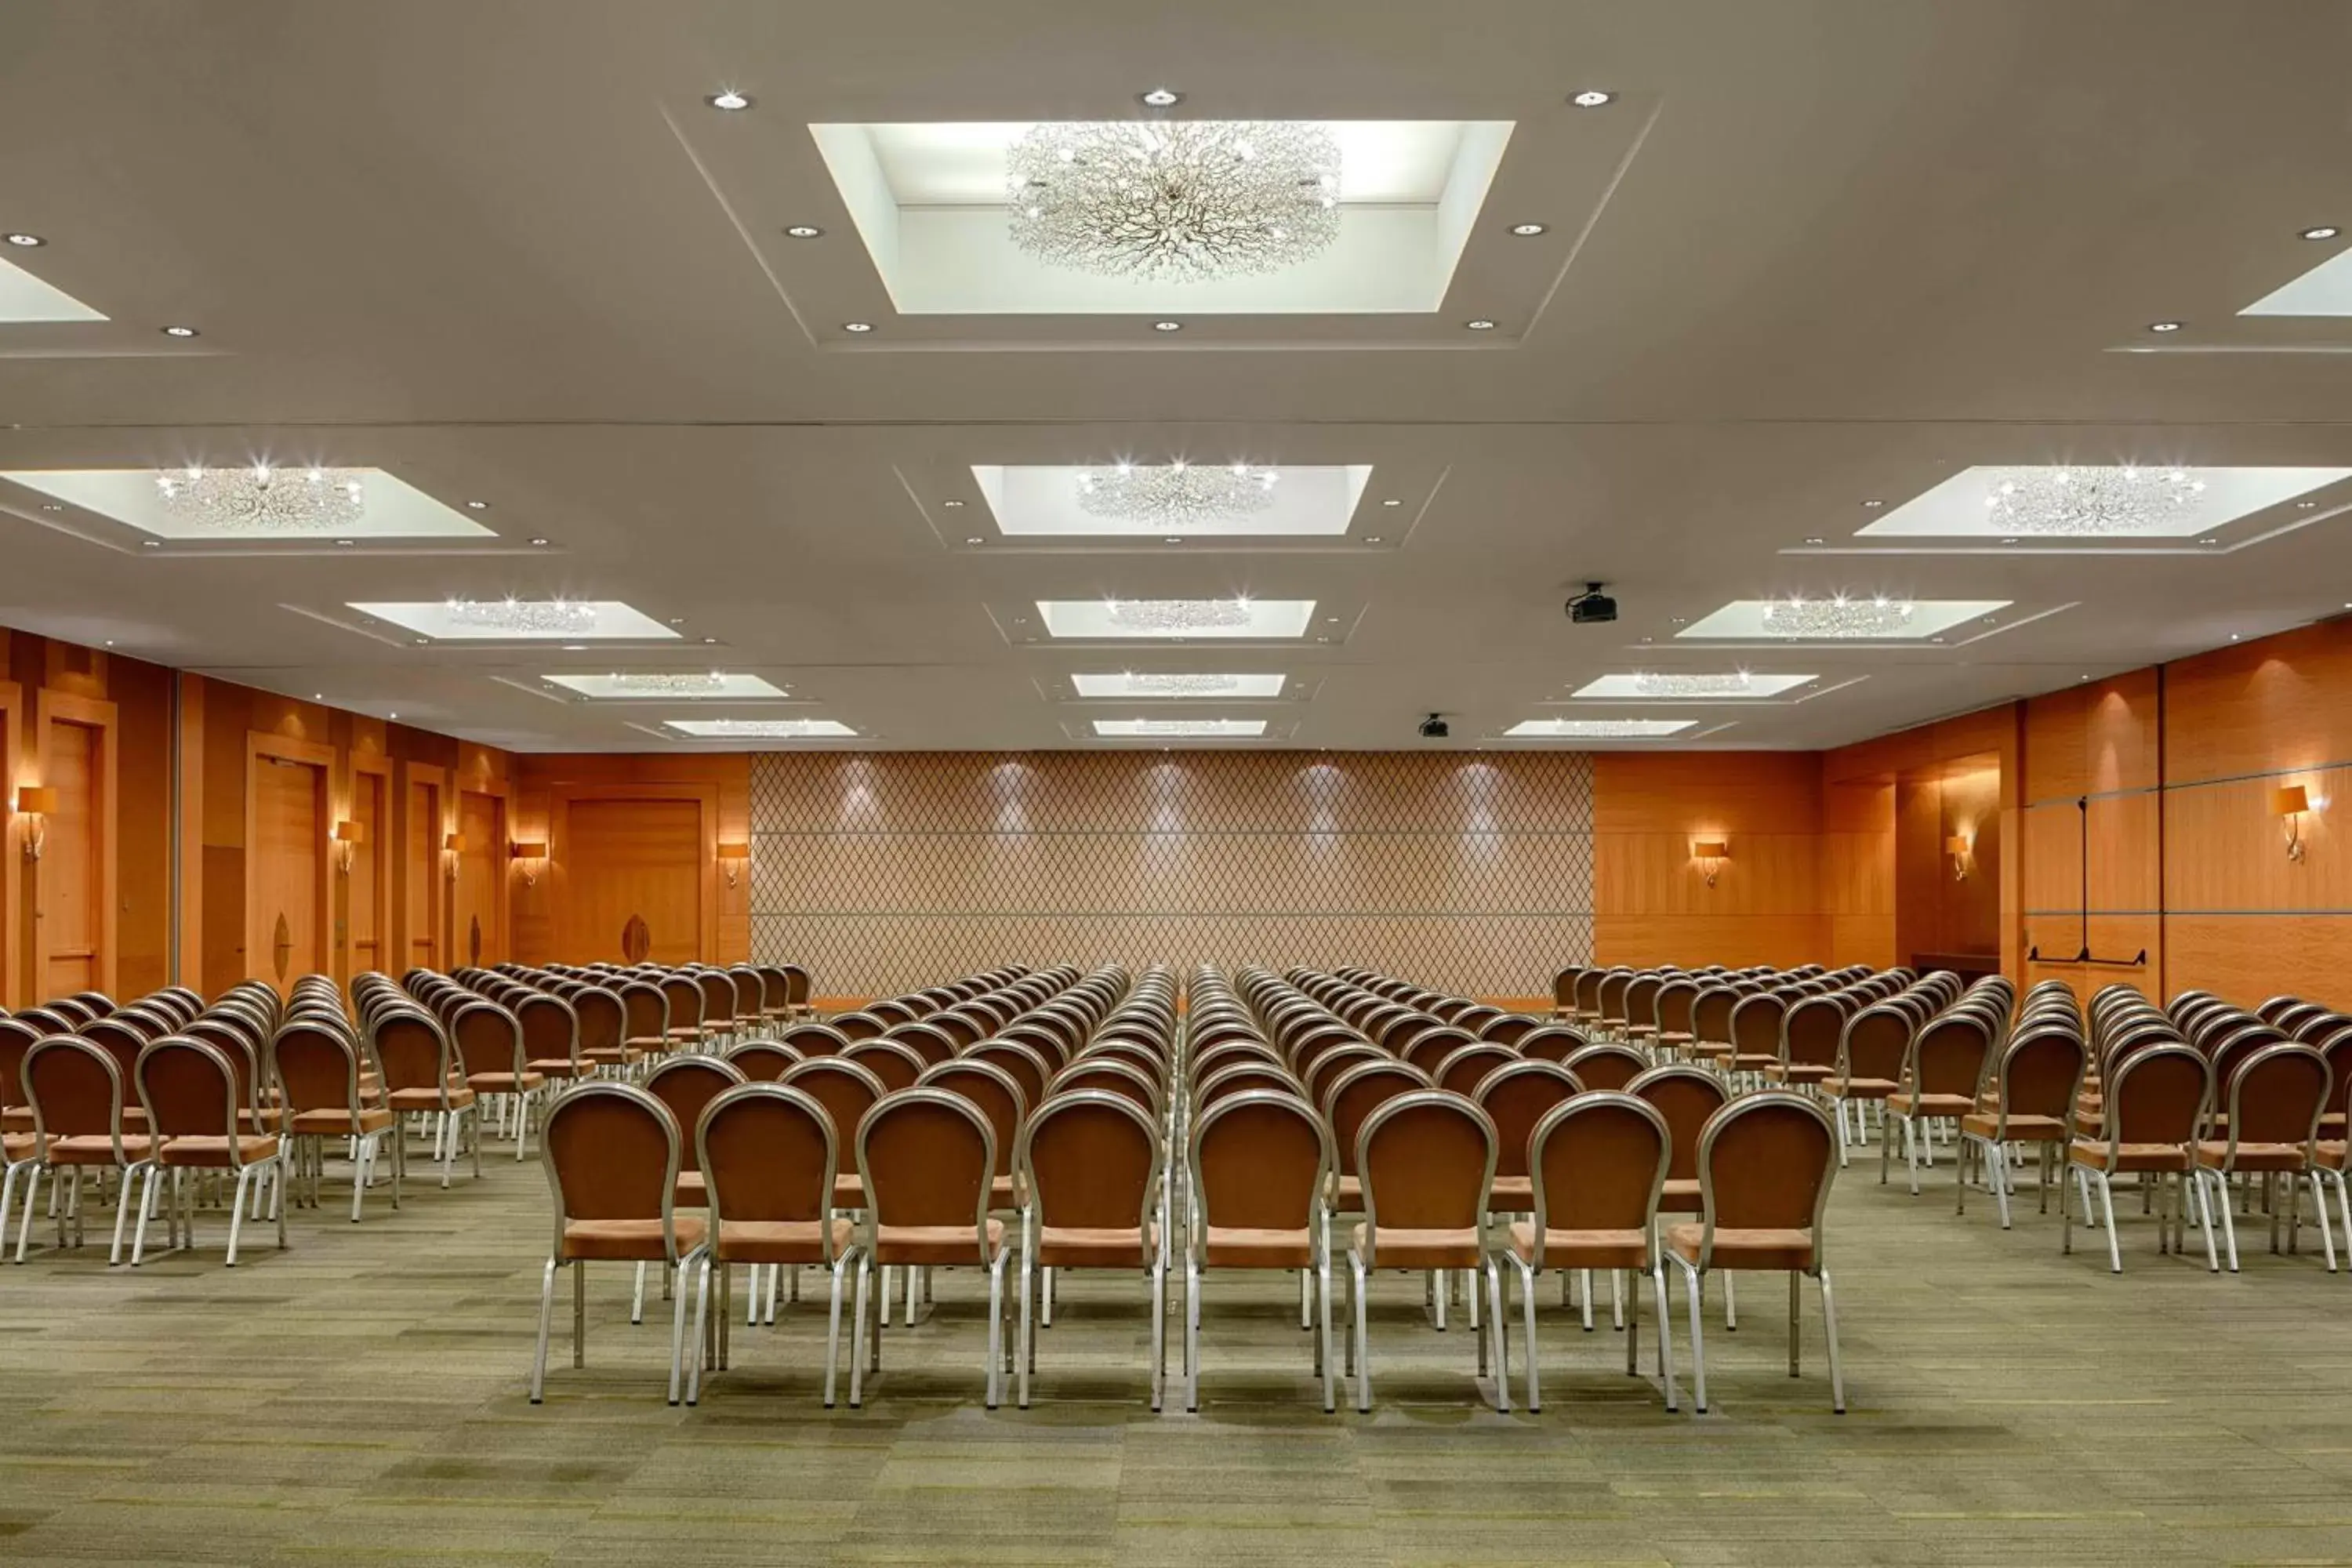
762,729
1187,729
2100,501
1157,500
1732,685
25,298
1838,619
521,620
2324,290
1164,619
245,503
1130,683
1597,728
662,685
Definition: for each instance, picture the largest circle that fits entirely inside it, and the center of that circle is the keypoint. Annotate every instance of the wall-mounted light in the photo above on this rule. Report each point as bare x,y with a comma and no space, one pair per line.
529,854
731,856
456,845
35,802
349,837
2290,802
1710,853
1960,847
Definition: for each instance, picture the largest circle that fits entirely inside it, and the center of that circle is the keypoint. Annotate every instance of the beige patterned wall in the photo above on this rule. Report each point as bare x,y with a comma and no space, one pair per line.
886,872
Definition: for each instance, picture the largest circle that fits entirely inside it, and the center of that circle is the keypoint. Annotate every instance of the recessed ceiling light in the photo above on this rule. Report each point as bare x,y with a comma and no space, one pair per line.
805,231
1392,501
421,641
392,715
2208,541
1677,620
2324,231
1173,538
1871,505
2233,636
1167,326
1816,539
1989,619
151,544
540,541
1934,639
343,543
1373,539
1528,230
575,647
951,503
179,331
1160,97
2008,541
1479,324
1592,97
857,326
730,99
710,639
477,506
677,620
975,539
2305,505
2164,326
51,506
1328,639
315,696
33,239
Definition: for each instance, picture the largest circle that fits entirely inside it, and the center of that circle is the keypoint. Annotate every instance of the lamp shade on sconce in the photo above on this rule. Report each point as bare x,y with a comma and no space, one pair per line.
2290,800
734,851
1710,849
37,799
1958,844
348,832
530,849
455,844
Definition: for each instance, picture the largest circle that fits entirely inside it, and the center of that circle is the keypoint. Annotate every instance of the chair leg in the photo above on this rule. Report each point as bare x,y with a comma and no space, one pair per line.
832,1327
1527,1329
546,1312
2204,1201
1495,1326
1665,1333
701,1327
678,1326
2115,1247
995,1322
236,1212
2228,1226
1323,1309
1193,1335
1158,1332
579,1315
2318,1200
1796,1326
1692,1286
1731,1303
1025,1346
135,1178
32,1206
1829,1326
1363,1344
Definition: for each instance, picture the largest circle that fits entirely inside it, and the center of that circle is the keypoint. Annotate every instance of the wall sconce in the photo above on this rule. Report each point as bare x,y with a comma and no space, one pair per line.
1711,853
456,845
35,802
731,856
2289,801
1959,848
349,835
528,855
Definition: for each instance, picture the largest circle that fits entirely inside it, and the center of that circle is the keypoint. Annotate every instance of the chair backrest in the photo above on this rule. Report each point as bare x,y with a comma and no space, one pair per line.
1951,1055
2278,1095
316,1066
996,1093
1356,1093
1588,991
1432,1046
1711,1014
645,1010
1606,1066
189,1089
719,998
74,1087
1258,1162
1507,1028
1237,1076
1515,1098
1764,1164
846,1090
796,982
858,1026
2158,1095
1599,1163
1551,1042
685,998
769,1154
1563,987
764,1061
599,1021
16,1037
1876,1043
1810,1031
1427,1162
926,1040
751,998
688,1084
1755,1025
1462,1069
1108,1075
412,1051
927,1156
1686,1095
487,1037
1028,1068
2041,1071
612,1152
1091,1158
815,1040
897,1066
1676,996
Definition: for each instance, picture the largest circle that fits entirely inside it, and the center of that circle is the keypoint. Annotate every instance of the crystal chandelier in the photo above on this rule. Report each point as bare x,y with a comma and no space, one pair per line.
767,728
1182,727
1177,495
2089,500
1178,617
1191,199
1692,685
538,616
1599,728
710,685
1181,685
279,500
1836,617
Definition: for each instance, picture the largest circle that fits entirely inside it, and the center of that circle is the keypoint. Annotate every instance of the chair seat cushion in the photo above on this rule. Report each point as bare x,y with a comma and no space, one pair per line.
848,1190
610,1056
1859,1087
781,1241
2092,1153
2021,1128
506,1082
2214,1155
332,1123
1398,1248
1239,1246
1578,1248
1512,1194
629,1240
459,1097
1797,1072
16,1146
1912,1103
2328,1156
936,1244
1082,1247
554,1068
1680,1197
1758,1248
692,1193
204,1151
1346,1194
96,1148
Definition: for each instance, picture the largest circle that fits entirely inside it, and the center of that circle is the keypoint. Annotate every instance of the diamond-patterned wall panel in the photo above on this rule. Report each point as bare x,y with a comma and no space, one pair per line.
888,872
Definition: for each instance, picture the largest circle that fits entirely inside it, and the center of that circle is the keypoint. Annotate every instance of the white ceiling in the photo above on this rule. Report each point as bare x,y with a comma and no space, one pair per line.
1817,252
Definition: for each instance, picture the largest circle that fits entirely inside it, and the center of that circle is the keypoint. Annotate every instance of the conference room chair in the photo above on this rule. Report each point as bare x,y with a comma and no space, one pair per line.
1257,1168
419,1066
1461,1071
612,1152
1515,1097
684,995
2034,1095
1810,1034
189,1089
1765,1162
1111,1075
1563,993
1943,1080
926,1156
496,1061
866,1025
2271,1130
719,1001
897,1066
1606,1066
74,1092
1551,1042
1094,1180
1426,1156
1688,1096
812,1039
926,1040
764,1061
769,1154
1872,1052
318,1069
1432,1046
2152,1110
1598,1162
599,1020
644,1016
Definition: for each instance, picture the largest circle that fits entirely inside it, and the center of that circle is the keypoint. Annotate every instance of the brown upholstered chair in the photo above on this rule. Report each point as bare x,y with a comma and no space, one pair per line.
491,1053
1764,1167
420,1077
764,1061
190,1091
2275,1100
1607,1065
1111,1075
1427,1157
897,1066
645,1017
74,1091
687,1086
1432,1046
718,1004
1598,1162
2039,1079
1257,1166
1943,1080
599,1022
769,1153
1563,993
612,1152
925,1155
1809,1043
1872,1050
317,1069
847,1093
815,1039
1551,1042
685,998
1092,1175
1515,1098
2152,1110
1461,1071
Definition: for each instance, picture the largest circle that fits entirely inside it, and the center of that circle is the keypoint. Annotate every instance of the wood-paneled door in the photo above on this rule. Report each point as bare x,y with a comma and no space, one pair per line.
480,926
632,860
286,911
426,903
71,907
366,888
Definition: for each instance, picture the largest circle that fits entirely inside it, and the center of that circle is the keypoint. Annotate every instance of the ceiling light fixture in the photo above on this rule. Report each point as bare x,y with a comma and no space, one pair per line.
1181,685
1373,539
1872,504
180,331
1178,615
2323,231
763,729
1187,199
1175,494
857,326
1160,97
1815,538
1838,617
538,541
1479,324
976,539
1116,729
1528,230
289,500
2164,326
669,684
1592,97
1167,326
1392,501
951,503
729,100
805,231
536,616
27,241
2122,498
1733,684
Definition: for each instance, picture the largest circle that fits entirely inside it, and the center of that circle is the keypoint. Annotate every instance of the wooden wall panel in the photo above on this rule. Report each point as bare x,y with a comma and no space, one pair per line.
72,898
627,861
286,930
1650,900
366,886
539,928
2261,707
